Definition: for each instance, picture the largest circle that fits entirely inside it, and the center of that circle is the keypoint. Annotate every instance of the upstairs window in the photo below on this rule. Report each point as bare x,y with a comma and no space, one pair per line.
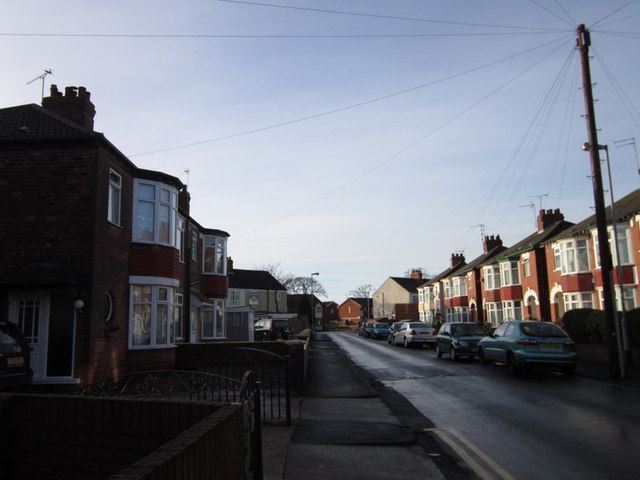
510,274
492,277
155,213
459,286
620,255
115,197
215,255
574,256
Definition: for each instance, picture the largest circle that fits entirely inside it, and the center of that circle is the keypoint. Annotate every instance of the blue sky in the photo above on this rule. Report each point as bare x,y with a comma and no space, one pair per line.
354,138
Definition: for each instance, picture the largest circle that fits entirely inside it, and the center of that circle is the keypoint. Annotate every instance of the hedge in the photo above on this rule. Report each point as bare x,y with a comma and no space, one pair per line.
586,325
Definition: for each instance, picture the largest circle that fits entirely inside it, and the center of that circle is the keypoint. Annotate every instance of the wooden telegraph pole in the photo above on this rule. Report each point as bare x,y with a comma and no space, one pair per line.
606,264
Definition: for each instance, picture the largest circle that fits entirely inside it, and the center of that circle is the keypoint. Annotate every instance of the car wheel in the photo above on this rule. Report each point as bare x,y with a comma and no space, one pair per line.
512,364
438,352
406,344
452,354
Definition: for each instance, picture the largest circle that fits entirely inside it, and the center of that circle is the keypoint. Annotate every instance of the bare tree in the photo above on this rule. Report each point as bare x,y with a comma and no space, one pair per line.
274,269
363,291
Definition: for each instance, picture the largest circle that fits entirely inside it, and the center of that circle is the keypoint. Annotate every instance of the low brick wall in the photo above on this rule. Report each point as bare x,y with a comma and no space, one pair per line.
52,437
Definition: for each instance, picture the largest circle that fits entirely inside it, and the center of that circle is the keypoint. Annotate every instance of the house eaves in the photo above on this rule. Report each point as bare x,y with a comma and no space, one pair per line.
533,241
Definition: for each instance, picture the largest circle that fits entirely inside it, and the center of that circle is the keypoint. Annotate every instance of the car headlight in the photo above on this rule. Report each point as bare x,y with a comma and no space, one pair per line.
461,343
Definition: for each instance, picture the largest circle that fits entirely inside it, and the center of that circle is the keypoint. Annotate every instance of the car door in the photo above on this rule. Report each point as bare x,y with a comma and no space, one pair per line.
444,338
491,345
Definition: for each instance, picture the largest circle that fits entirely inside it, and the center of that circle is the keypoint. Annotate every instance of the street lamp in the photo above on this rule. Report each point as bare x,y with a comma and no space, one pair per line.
311,311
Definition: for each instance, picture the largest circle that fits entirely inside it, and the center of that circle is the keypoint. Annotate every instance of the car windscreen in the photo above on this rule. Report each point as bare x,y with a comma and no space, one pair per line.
419,325
542,330
466,330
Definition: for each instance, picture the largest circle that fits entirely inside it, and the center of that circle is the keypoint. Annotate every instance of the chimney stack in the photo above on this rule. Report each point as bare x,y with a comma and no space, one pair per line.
416,274
457,258
546,218
75,105
490,242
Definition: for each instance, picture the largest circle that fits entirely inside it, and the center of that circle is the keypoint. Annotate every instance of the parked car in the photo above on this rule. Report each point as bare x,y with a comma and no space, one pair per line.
272,329
365,328
415,333
459,340
379,330
15,354
524,344
393,329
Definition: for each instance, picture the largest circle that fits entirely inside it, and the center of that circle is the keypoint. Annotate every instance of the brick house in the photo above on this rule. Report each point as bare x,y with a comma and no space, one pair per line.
515,284
354,310
97,254
432,293
573,262
330,314
396,290
472,278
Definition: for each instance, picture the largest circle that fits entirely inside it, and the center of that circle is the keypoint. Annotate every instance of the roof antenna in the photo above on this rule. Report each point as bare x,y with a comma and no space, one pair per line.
41,77
482,229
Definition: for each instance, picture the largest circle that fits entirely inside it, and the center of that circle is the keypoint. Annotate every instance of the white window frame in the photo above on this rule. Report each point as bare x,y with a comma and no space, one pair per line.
574,256
214,255
114,208
161,299
459,286
213,320
165,199
494,312
181,225
492,277
512,309
510,273
622,251
574,300
178,315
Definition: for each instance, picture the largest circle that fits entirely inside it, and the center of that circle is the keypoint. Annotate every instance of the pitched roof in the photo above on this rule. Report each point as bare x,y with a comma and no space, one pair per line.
624,208
482,259
409,284
362,301
443,274
535,240
253,279
32,122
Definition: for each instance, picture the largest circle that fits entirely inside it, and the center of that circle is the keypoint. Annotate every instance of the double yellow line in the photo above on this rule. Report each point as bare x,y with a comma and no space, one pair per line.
465,449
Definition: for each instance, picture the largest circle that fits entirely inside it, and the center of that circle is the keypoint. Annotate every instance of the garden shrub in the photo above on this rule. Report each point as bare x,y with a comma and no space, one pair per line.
586,325
633,324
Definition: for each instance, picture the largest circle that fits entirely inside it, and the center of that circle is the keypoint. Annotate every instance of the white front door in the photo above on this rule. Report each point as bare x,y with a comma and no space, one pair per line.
30,311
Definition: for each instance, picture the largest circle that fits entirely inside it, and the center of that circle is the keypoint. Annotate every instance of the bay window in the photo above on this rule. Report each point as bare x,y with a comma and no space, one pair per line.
492,277
494,312
574,256
152,316
155,210
620,255
578,300
459,286
510,274
215,255
213,320
512,309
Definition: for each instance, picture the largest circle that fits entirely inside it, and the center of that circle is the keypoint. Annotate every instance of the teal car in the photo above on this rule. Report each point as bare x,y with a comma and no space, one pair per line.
525,344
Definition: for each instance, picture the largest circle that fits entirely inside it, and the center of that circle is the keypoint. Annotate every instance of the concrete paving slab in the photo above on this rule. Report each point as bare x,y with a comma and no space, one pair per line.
325,462
352,409
332,432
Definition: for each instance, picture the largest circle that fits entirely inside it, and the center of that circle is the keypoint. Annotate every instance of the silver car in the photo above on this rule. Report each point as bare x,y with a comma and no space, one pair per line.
415,333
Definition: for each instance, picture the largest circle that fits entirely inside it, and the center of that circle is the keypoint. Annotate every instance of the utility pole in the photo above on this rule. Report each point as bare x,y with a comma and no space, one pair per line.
606,263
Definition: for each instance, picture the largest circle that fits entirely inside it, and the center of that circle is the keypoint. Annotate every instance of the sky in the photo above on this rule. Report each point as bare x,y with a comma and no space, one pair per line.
354,138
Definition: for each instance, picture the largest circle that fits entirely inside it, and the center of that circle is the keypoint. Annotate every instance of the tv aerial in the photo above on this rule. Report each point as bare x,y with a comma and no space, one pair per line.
47,71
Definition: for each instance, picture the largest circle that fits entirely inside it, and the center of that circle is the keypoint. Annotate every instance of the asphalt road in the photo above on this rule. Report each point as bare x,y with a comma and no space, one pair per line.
540,426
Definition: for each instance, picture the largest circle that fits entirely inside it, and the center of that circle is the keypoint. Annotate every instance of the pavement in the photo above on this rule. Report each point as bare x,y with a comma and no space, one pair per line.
348,426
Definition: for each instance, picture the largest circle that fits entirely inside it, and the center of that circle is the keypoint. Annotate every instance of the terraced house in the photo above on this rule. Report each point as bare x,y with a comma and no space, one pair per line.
102,266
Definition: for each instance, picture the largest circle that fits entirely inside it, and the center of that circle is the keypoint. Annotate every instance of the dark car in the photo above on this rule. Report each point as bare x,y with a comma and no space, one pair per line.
272,329
459,340
14,356
379,330
365,329
529,344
